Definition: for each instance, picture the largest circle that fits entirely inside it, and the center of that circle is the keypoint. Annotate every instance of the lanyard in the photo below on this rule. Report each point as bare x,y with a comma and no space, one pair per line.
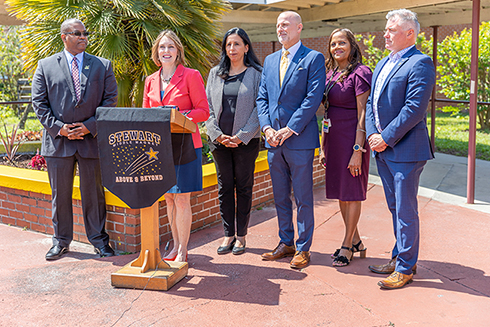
329,85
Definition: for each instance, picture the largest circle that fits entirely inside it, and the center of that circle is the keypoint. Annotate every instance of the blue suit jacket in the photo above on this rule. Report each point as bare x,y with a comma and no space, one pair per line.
296,102
402,108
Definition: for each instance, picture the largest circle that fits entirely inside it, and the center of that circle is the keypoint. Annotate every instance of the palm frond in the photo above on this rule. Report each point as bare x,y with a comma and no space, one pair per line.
123,32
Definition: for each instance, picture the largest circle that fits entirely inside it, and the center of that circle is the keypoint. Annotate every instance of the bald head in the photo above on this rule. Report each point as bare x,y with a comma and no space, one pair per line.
292,16
289,28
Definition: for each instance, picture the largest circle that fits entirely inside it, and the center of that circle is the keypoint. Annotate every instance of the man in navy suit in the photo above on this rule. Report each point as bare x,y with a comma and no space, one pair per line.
291,89
396,115
67,88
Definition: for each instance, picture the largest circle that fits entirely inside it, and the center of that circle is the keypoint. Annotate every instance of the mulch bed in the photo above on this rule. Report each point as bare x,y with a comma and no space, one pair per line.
21,161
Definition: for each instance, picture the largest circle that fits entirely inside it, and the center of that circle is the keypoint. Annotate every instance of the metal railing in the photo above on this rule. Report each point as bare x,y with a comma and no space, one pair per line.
460,101
15,102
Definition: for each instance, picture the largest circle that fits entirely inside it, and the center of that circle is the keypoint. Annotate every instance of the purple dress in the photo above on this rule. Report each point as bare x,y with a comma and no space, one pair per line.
338,142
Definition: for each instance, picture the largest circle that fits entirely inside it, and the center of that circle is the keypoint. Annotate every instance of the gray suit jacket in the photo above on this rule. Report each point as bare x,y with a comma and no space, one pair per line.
55,102
246,124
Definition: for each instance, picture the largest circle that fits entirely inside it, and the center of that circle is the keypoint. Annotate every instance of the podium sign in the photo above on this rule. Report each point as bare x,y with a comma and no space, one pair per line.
135,152
137,162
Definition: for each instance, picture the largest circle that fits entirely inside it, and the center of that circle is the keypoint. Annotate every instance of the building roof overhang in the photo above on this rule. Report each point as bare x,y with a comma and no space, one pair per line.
321,17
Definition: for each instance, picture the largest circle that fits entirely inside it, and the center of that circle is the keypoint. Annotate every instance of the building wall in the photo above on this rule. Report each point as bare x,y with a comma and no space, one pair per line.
263,49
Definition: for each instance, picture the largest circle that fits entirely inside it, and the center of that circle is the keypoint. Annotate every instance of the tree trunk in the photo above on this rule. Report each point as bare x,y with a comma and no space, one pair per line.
23,119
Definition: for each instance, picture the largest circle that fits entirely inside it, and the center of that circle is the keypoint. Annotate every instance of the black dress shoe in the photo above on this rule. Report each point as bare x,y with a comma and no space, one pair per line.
56,252
105,251
226,248
238,249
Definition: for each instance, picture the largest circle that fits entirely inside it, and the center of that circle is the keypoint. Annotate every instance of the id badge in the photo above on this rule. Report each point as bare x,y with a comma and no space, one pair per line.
326,124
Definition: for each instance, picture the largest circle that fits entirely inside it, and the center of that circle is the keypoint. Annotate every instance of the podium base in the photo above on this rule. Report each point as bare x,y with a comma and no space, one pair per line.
160,280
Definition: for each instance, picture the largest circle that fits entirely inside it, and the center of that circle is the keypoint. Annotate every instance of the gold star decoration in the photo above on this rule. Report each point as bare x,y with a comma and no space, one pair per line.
152,154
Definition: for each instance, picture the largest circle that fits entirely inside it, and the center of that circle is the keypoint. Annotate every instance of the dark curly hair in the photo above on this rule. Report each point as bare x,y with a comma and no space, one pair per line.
355,55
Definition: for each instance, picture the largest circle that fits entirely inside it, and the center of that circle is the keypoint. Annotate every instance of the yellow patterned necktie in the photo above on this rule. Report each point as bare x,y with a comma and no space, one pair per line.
284,66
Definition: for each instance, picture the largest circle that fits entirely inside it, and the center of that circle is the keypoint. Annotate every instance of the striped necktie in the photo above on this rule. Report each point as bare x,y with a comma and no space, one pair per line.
75,74
284,66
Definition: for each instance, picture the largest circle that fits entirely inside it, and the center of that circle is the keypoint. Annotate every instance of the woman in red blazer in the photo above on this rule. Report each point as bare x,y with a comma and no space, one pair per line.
175,85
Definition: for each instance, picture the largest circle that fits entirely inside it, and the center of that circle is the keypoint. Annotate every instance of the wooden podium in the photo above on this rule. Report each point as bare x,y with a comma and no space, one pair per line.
180,123
149,270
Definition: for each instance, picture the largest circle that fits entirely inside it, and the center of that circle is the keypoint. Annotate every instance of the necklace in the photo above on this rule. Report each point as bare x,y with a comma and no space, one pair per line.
167,80
238,71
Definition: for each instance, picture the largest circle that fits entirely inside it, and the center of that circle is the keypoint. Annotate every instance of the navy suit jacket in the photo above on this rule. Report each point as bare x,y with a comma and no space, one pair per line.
402,108
55,103
296,102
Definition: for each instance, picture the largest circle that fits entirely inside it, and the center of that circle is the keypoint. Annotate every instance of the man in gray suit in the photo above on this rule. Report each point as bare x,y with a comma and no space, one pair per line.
67,88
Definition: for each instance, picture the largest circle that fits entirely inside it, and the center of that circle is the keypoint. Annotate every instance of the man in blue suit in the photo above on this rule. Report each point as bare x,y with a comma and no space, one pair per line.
291,89
396,115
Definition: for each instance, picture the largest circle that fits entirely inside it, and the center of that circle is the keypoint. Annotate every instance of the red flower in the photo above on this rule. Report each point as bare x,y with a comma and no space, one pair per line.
38,162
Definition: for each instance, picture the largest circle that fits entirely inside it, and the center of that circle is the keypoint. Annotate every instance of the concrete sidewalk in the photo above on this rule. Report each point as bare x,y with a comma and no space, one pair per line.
451,288
445,179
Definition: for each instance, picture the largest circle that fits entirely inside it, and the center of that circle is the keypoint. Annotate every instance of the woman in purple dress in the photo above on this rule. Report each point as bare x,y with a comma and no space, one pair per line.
345,153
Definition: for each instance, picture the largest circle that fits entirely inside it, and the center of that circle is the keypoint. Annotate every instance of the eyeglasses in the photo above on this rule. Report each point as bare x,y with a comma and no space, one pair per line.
78,33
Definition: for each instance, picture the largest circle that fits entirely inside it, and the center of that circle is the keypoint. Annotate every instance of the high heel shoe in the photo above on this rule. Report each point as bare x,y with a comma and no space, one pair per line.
170,259
182,261
342,260
355,248
227,248
239,249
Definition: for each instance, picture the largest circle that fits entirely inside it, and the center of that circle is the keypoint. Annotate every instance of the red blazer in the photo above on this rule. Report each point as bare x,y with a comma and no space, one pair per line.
185,90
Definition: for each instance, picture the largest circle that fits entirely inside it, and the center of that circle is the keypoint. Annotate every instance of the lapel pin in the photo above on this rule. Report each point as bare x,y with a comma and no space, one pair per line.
87,67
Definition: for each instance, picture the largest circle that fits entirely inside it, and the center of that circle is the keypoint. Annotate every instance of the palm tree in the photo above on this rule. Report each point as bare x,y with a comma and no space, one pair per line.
123,32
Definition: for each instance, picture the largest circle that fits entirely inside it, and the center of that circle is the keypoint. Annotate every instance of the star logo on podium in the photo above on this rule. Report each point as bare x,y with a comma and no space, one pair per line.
152,154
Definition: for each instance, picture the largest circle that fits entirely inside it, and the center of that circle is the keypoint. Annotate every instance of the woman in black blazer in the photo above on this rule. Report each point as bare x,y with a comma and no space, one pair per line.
233,128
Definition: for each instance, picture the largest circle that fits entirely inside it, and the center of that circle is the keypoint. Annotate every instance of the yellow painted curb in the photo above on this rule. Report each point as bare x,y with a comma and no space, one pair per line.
37,181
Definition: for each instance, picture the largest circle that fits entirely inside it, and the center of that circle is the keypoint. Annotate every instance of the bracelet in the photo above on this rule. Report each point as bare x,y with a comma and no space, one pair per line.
360,130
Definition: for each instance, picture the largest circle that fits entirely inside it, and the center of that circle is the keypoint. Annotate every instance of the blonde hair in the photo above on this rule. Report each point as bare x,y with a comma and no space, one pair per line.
180,60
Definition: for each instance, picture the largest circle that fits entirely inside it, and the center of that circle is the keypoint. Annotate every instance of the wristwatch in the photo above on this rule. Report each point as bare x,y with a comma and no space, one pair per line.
357,147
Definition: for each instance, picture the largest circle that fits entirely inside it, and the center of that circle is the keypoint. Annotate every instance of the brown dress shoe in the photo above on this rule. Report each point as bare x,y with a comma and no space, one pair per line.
388,268
281,251
300,260
396,280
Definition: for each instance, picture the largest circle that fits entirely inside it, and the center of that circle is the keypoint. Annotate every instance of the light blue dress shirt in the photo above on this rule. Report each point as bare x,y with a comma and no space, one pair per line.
292,52
394,59
69,58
